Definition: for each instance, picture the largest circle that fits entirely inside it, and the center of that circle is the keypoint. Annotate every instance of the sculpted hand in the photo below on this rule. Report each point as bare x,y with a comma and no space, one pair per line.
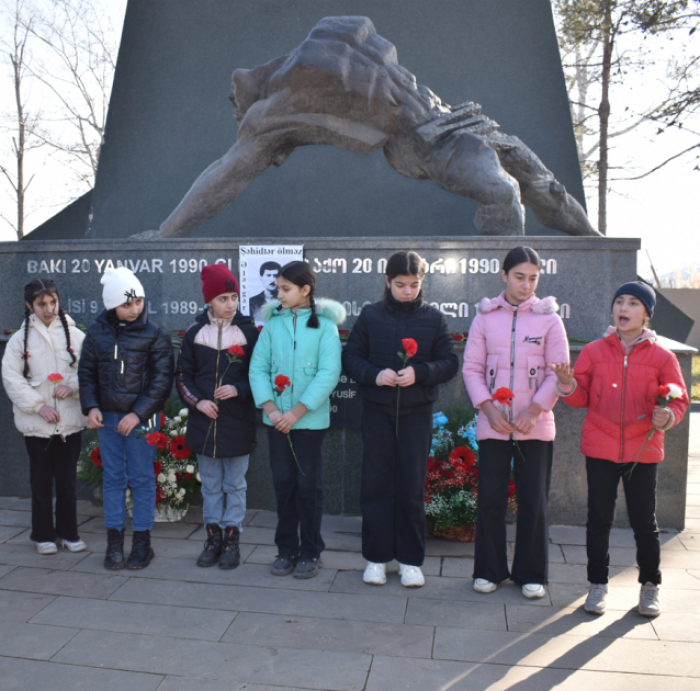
387,377
209,408
127,424
63,391
406,377
659,419
564,372
94,418
224,392
495,417
49,414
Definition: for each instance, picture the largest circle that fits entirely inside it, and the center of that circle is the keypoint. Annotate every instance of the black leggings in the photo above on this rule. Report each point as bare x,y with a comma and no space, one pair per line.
533,474
53,460
640,495
393,485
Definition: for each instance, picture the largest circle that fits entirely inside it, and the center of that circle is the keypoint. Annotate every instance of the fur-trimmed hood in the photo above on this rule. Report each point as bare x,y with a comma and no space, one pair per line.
325,307
548,305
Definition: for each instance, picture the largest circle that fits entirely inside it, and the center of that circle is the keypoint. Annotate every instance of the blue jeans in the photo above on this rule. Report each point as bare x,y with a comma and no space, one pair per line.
223,477
127,460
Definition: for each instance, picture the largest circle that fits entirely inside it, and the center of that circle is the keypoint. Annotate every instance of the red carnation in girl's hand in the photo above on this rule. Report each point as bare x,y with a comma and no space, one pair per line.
178,448
55,378
259,329
96,457
410,346
282,382
235,350
662,391
503,395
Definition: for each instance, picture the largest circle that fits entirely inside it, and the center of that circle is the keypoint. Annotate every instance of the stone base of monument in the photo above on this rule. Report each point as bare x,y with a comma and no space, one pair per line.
582,273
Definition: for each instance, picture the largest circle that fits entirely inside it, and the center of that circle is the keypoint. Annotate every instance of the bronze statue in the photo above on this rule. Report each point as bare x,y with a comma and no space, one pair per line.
343,86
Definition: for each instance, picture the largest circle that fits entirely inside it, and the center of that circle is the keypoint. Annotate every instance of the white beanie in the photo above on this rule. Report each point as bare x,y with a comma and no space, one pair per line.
120,286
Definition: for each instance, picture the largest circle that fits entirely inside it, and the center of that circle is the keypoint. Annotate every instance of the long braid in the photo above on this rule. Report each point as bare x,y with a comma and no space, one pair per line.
25,355
313,319
64,321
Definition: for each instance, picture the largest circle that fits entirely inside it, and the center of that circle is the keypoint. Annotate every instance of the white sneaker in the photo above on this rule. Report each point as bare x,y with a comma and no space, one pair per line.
533,591
411,576
481,585
46,547
375,574
78,546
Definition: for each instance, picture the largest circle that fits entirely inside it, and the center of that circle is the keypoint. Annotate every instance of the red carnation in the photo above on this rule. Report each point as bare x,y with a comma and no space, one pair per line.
157,467
96,457
503,395
282,382
162,419
187,476
235,350
662,391
55,378
178,448
511,488
410,346
260,329
159,494
157,439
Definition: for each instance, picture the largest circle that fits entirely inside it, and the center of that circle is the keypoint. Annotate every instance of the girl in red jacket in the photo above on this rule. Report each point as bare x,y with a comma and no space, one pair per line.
620,378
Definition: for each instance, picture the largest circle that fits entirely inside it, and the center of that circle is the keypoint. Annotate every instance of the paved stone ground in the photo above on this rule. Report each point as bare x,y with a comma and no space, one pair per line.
67,624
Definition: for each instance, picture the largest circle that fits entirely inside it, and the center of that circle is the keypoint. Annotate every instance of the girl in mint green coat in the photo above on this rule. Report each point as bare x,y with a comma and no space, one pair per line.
294,369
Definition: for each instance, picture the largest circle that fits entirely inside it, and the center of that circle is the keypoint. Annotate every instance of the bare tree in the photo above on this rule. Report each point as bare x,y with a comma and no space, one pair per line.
24,128
590,34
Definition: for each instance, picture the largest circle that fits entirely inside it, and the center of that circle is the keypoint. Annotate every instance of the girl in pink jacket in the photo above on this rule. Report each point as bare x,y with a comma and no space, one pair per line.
511,341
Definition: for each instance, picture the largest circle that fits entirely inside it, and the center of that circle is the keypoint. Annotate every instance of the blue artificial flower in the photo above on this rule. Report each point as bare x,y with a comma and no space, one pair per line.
439,419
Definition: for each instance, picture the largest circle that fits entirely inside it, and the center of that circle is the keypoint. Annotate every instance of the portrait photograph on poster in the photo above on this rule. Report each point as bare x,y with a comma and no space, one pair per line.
259,266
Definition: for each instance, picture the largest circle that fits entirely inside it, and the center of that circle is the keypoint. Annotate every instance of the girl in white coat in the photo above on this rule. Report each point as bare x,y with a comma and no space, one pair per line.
40,376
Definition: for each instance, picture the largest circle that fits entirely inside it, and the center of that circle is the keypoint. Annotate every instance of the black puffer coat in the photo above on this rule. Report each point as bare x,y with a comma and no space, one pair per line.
233,432
126,369
374,345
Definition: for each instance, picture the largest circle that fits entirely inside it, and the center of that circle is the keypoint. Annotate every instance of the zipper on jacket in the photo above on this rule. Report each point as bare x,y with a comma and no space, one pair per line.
512,360
216,377
622,409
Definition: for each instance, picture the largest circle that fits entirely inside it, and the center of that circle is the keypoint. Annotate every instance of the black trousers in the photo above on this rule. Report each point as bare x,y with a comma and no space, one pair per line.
532,464
53,461
393,485
640,495
299,496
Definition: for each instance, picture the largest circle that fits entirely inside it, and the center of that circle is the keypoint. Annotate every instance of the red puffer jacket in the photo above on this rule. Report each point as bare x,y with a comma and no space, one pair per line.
618,391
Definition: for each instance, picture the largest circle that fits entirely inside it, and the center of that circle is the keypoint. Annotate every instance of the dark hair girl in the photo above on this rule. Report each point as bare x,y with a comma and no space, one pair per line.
41,380
37,288
395,452
302,275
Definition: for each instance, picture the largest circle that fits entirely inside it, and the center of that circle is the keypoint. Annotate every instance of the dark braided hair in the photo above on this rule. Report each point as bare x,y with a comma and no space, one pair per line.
36,288
301,274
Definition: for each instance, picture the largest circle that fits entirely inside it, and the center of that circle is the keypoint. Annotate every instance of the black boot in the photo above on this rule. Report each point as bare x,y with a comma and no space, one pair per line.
114,557
230,554
141,552
212,546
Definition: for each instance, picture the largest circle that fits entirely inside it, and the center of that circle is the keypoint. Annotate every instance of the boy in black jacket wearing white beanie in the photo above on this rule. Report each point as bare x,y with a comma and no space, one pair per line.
125,375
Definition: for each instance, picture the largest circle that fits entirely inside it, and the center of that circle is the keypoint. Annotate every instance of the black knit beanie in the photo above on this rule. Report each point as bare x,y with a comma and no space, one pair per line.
642,291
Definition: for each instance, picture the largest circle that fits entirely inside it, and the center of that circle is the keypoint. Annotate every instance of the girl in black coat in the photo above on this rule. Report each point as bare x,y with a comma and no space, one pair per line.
394,465
212,378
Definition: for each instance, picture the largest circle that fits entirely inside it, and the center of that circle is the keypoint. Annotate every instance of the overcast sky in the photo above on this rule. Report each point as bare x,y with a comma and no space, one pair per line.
662,209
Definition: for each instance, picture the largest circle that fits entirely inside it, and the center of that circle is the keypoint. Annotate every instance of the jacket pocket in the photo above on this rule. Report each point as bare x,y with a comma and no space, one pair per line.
491,371
535,371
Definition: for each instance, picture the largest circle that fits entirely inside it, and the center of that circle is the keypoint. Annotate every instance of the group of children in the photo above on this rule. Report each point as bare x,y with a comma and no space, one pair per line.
117,378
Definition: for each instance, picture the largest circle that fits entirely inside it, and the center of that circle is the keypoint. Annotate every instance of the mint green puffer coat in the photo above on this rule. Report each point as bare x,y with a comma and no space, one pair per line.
309,357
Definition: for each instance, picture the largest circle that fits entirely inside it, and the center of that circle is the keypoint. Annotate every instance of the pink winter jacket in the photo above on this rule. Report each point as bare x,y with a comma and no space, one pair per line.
530,336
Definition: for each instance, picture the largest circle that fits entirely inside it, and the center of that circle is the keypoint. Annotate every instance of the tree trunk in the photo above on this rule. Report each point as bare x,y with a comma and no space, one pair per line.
604,117
19,146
